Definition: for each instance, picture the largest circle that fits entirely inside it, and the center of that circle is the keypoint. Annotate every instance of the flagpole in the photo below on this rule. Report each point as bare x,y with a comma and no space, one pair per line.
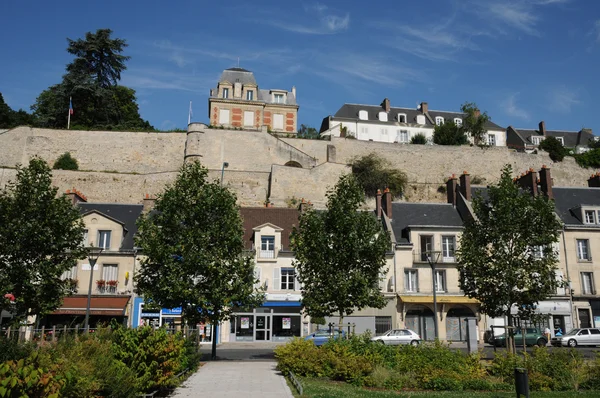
69,117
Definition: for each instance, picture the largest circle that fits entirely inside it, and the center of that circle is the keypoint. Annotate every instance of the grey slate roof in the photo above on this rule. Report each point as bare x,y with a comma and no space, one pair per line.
405,215
265,96
125,214
569,200
233,75
350,111
571,138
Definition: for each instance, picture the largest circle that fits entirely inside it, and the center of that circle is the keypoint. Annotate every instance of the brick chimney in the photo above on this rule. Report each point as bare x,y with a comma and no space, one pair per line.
546,182
304,206
75,196
451,185
387,202
528,181
542,128
424,107
148,203
378,203
594,181
386,105
465,185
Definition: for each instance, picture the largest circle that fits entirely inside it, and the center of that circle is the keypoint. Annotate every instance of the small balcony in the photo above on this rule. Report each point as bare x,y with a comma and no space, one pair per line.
422,258
106,287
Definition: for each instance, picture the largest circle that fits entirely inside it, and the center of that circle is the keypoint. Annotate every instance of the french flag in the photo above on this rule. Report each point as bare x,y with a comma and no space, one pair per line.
70,106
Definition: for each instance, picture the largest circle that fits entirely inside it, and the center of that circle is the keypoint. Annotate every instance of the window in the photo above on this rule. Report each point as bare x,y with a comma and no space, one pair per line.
537,251
590,217
491,139
110,272
583,252
402,117
250,95
223,116
248,118
440,281
448,249
383,117
382,324
104,239
363,115
288,276
536,140
86,242
587,283
278,121
267,247
402,136
278,98
383,132
420,119
364,131
225,93
561,140
411,280
458,121
426,246
70,274
439,120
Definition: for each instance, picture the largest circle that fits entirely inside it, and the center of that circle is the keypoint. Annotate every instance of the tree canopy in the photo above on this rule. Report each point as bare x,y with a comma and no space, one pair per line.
10,118
340,254
92,83
193,243
474,122
555,149
40,238
449,133
373,172
507,254
308,132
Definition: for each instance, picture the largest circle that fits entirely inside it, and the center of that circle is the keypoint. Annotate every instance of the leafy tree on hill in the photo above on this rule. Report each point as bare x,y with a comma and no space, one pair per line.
555,149
92,83
474,122
449,134
308,132
373,172
10,118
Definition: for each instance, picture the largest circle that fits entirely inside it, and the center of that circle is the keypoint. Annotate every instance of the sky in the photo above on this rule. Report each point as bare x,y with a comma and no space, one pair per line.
522,61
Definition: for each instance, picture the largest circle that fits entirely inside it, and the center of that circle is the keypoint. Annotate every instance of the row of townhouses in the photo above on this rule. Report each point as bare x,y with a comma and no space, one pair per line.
408,285
237,102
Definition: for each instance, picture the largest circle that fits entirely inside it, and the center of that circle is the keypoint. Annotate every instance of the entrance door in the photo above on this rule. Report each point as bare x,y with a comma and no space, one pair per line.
262,329
584,318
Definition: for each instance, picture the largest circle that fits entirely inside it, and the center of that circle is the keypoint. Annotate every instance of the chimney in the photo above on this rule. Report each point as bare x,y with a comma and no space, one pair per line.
148,203
304,206
542,128
386,105
387,202
294,91
546,182
465,185
424,107
378,203
451,189
75,196
476,113
528,181
594,181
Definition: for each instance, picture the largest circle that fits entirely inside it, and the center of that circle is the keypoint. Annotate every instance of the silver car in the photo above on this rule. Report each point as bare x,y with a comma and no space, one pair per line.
583,336
398,336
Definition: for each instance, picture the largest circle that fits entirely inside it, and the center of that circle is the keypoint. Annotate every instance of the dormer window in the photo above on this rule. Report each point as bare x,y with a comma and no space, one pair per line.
420,119
536,140
249,95
225,93
402,117
267,247
458,121
439,120
383,117
363,115
589,217
278,98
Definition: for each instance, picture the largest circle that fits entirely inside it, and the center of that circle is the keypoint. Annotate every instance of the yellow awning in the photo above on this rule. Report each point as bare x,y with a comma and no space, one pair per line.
440,299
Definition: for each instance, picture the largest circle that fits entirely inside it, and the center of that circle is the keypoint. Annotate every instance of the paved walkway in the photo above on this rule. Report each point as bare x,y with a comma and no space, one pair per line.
235,379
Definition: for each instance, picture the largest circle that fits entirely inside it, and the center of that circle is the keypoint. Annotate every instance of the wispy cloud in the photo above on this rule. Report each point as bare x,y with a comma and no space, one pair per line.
517,15
562,99
324,21
512,109
596,30
156,78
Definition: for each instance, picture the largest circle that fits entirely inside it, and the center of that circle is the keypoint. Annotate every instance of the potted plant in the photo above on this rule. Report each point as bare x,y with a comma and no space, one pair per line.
101,283
112,285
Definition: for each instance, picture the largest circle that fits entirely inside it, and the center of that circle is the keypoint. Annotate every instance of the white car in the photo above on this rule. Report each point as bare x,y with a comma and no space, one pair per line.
398,336
584,336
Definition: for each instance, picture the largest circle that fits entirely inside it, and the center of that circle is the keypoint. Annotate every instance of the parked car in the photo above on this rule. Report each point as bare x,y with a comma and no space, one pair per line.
533,336
398,336
583,336
322,336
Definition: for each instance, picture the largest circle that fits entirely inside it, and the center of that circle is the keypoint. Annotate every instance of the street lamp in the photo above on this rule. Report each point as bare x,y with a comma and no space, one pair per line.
432,258
223,167
92,254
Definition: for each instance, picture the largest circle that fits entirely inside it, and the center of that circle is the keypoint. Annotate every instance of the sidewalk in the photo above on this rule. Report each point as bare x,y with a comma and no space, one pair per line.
235,379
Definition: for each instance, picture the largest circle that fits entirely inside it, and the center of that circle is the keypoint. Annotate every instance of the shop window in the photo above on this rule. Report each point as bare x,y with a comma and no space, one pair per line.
286,327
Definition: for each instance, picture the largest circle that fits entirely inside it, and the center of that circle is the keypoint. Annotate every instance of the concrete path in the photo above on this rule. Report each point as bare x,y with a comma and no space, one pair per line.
235,379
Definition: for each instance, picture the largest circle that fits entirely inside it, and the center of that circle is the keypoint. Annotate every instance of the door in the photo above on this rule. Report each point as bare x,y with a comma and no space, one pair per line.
583,337
262,329
584,318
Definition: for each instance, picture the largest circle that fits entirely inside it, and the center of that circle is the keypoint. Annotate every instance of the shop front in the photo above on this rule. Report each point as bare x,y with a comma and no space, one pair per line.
553,314
103,310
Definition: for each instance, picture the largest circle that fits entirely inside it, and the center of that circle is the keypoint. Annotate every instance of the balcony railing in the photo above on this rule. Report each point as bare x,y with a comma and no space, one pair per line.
422,258
266,254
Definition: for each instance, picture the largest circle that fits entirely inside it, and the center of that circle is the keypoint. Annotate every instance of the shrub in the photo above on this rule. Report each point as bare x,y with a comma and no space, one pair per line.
374,172
28,377
301,357
66,162
418,139
589,159
555,149
449,134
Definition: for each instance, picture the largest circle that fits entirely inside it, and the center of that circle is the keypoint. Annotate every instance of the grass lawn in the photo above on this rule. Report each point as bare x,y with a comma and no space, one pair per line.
315,388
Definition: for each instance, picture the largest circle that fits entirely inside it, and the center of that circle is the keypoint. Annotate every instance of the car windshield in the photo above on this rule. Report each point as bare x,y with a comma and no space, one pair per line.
573,332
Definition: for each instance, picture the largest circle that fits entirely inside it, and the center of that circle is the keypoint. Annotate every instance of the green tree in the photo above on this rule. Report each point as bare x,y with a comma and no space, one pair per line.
589,159
10,118
449,134
418,139
40,238
507,256
66,162
374,172
308,132
340,254
474,122
554,147
193,245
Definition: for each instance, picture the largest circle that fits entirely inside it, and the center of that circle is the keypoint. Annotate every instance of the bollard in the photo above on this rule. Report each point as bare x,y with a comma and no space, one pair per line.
522,382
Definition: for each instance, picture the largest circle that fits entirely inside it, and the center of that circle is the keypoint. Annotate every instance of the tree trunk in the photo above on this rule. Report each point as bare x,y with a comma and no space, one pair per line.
340,326
213,355
508,334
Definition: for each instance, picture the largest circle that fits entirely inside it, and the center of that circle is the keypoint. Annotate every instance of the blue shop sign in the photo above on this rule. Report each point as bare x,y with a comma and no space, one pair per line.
171,311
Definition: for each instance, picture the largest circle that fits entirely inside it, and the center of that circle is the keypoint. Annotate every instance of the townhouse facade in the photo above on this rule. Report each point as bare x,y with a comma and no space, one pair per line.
385,123
528,140
238,102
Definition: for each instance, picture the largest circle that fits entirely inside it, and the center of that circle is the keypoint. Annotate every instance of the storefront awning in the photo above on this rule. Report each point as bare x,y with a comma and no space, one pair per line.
76,305
440,299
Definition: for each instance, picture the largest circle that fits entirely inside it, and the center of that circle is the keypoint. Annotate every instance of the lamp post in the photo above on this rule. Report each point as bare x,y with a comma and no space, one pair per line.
223,167
432,258
93,254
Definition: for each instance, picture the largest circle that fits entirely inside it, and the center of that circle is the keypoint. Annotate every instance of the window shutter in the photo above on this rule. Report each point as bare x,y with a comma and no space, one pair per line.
297,286
276,279
257,275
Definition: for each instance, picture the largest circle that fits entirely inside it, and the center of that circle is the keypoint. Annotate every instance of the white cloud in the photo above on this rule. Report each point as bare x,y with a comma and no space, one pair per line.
596,30
512,109
327,21
517,15
562,99
146,78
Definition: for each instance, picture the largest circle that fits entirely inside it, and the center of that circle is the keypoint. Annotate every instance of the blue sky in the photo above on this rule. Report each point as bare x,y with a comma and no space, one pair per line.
521,61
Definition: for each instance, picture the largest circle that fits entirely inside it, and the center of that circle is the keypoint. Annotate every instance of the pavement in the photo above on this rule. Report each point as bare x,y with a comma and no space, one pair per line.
234,379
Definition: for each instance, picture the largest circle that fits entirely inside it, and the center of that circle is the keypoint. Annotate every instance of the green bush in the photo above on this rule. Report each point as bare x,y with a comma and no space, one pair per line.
590,159
29,378
555,149
418,139
374,172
